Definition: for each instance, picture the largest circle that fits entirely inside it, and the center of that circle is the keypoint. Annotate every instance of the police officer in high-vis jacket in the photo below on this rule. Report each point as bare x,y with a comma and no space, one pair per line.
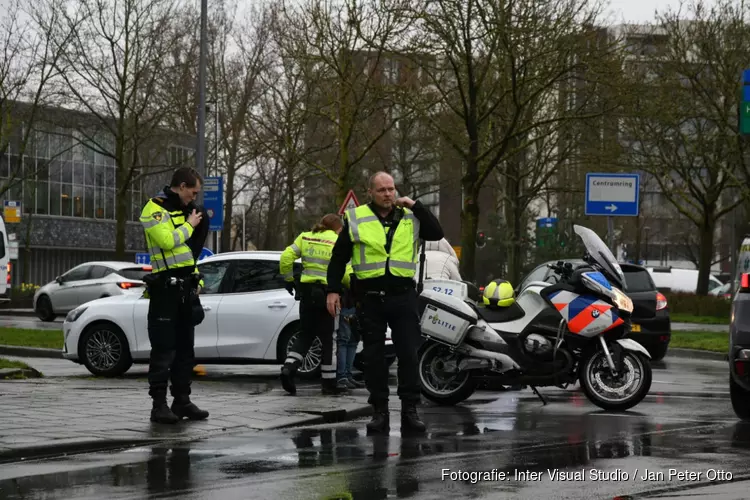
382,240
169,221
314,247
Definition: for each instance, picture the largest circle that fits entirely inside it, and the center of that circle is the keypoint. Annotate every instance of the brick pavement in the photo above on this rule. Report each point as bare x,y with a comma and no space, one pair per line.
42,417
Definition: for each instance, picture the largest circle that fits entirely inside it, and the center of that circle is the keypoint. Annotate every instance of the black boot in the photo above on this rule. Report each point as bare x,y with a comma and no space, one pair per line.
329,387
410,421
287,378
184,408
380,422
161,414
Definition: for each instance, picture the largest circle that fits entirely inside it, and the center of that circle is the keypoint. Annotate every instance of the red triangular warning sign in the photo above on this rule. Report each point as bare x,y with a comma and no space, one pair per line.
349,202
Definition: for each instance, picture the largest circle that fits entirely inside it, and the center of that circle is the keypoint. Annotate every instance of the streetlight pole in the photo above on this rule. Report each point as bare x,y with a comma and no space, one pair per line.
244,215
200,156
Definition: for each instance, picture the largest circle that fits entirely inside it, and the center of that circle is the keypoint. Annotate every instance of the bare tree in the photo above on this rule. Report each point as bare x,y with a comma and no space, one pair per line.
494,73
28,70
237,56
685,124
113,69
342,47
278,125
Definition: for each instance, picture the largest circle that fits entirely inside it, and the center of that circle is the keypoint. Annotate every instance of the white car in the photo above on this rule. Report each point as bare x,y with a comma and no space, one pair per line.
250,319
87,282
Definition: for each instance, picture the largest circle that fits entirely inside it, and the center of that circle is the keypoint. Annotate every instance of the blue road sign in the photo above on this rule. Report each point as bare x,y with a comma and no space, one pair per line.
205,253
746,76
612,194
213,201
142,258
546,222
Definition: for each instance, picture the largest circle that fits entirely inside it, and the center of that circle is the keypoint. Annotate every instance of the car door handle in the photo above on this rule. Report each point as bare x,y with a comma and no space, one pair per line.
206,308
277,304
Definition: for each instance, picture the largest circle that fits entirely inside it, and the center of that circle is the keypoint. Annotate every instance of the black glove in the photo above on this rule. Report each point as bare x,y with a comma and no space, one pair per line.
290,287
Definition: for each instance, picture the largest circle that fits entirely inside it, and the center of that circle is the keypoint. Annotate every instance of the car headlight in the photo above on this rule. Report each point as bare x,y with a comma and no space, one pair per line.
622,301
75,314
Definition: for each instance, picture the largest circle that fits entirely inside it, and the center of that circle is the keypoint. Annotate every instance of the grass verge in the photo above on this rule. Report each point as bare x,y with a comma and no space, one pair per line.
6,363
52,339
704,341
703,320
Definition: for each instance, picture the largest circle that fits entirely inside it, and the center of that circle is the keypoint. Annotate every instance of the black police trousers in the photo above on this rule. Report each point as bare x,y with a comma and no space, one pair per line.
315,321
171,332
401,312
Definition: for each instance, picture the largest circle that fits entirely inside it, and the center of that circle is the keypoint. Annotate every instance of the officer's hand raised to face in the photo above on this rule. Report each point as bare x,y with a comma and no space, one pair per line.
404,201
333,303
195,218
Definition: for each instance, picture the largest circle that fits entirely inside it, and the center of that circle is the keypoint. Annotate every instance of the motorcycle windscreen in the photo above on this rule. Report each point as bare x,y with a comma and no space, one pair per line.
602,255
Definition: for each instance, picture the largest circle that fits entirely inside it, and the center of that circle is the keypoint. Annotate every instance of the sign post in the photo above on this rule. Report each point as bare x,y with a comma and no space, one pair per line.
349,202
11,212
744,114
612,195
213,202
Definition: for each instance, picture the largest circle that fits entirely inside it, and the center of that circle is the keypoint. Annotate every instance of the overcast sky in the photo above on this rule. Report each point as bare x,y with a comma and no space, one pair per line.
641,11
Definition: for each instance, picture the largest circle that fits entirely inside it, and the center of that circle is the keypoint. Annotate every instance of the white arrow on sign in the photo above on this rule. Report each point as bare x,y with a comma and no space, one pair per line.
611,207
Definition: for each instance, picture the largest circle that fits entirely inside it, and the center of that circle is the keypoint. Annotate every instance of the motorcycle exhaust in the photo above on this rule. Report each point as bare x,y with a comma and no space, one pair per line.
498,362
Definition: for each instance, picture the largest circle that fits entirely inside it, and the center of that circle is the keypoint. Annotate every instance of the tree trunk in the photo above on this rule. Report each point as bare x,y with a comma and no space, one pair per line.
469,226
638,239
121,209
27,249
706,253
226,229
513,213
289,203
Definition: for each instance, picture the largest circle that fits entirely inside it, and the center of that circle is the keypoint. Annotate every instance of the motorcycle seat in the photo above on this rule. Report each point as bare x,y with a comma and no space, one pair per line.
501,315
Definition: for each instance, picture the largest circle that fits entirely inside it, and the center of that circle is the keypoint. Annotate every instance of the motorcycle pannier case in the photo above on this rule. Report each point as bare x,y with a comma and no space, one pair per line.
445,318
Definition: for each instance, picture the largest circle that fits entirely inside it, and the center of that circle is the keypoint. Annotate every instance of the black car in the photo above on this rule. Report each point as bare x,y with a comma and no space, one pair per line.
739,350
651,324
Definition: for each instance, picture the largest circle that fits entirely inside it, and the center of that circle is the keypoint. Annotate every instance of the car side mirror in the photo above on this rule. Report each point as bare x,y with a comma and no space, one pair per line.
59,280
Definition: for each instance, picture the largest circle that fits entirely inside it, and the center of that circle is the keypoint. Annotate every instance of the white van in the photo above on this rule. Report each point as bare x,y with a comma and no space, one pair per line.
669,279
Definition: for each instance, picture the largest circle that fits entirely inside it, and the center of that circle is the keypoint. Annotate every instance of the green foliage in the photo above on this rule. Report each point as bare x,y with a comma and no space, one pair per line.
697,305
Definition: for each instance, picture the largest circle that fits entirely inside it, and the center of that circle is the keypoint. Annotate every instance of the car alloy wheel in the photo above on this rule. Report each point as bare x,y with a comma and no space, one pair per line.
104,349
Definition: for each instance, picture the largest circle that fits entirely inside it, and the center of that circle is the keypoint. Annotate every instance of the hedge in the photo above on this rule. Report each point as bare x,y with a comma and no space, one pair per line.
697,305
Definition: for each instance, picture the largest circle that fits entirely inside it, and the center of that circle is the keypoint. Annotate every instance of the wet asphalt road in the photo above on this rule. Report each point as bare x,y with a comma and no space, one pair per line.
686,424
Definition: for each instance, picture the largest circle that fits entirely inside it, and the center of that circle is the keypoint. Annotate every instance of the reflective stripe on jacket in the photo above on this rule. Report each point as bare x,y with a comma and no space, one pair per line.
368,235
315,251
166,236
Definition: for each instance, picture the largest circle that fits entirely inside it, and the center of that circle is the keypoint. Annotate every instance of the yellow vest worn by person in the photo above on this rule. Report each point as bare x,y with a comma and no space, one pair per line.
369,257
315,249
166,235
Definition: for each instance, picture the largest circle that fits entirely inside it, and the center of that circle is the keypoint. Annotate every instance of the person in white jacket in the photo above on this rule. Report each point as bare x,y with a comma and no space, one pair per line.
441,261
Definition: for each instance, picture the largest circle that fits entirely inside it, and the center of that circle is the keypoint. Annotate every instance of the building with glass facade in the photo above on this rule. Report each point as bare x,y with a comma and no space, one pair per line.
67,187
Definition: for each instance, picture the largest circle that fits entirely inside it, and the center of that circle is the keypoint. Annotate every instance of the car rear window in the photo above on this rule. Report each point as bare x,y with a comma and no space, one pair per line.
134,273
638,280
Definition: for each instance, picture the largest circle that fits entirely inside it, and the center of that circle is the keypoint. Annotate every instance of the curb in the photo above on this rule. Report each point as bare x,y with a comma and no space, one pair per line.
16,373
31,352
53,450
681,352
60,449
329,417
17,312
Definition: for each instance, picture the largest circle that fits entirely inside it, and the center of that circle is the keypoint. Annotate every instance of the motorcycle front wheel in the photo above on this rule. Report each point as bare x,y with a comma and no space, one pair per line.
441,383
618,393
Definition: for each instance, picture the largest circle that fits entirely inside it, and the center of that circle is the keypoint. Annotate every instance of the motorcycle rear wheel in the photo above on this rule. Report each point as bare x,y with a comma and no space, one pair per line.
440,386
615,394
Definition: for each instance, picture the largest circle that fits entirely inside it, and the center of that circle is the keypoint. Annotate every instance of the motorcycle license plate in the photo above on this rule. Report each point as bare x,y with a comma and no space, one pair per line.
635,328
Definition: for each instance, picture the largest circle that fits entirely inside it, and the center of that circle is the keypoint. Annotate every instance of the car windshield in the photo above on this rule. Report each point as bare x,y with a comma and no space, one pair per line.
638,280
601,255
134,273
